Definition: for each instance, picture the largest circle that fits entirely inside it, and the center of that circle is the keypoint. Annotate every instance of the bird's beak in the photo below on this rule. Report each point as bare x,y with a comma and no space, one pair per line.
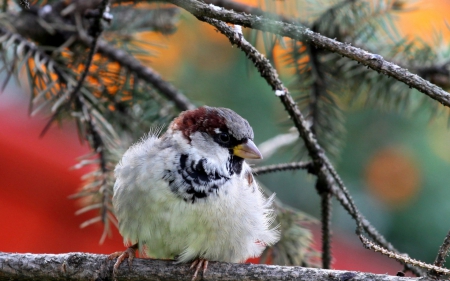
247,150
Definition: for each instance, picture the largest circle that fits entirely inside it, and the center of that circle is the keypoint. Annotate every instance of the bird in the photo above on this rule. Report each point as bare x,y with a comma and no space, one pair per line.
189,194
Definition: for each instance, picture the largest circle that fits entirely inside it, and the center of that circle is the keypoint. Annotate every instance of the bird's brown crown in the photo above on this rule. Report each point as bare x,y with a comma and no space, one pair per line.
209,120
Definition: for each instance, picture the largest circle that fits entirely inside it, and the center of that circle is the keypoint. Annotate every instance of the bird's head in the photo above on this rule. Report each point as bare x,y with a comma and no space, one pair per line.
216,131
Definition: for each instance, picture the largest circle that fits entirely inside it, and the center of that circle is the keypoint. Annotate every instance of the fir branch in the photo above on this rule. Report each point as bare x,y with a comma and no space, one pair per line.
281,167
322,168
317,86
30,48
24,23
74,94
99,183
98,145
46,76
82,266
297,32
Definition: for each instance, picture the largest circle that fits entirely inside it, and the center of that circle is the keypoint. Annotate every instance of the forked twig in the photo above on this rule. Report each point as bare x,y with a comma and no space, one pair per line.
443,252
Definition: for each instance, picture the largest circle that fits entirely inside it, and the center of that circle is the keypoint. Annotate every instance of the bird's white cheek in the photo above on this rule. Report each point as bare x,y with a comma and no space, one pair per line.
203,146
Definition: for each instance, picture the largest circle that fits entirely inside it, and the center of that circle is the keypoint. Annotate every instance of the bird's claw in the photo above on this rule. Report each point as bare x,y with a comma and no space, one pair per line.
199,263
129,253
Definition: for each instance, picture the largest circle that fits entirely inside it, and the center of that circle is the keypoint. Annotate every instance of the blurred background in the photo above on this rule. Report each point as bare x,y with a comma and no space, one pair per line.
395,165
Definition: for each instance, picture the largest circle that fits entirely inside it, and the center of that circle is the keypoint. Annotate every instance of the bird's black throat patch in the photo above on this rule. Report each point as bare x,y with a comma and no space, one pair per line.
234,164
191,181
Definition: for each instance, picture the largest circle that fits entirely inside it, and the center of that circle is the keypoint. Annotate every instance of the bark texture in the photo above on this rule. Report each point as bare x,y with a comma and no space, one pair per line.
83,266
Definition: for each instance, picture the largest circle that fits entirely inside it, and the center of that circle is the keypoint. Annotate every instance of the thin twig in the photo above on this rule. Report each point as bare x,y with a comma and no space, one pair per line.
443,251
402,258
326,209
281,167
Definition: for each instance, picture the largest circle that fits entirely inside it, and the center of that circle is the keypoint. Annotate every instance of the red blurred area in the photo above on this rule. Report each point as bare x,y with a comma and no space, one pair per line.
36,215
35,182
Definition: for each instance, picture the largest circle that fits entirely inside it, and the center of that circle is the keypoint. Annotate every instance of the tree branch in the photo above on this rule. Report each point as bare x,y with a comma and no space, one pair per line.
298,32
83,266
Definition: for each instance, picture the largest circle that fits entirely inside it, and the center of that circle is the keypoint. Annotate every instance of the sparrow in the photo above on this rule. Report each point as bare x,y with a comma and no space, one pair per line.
189,195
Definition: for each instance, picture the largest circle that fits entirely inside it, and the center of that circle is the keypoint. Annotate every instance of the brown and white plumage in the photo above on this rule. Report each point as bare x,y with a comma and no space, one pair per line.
190,195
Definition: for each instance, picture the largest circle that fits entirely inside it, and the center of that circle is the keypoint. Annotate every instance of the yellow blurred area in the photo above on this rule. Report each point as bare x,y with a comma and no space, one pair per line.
425,19
393,177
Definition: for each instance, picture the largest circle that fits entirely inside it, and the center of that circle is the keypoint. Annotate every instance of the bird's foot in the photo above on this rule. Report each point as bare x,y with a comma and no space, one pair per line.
129,253
199,263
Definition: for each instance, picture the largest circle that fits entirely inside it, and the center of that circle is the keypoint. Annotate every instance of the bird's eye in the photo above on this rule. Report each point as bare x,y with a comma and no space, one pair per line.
224,137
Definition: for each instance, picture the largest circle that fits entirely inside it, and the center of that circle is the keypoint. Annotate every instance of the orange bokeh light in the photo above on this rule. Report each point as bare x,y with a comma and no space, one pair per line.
393,177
